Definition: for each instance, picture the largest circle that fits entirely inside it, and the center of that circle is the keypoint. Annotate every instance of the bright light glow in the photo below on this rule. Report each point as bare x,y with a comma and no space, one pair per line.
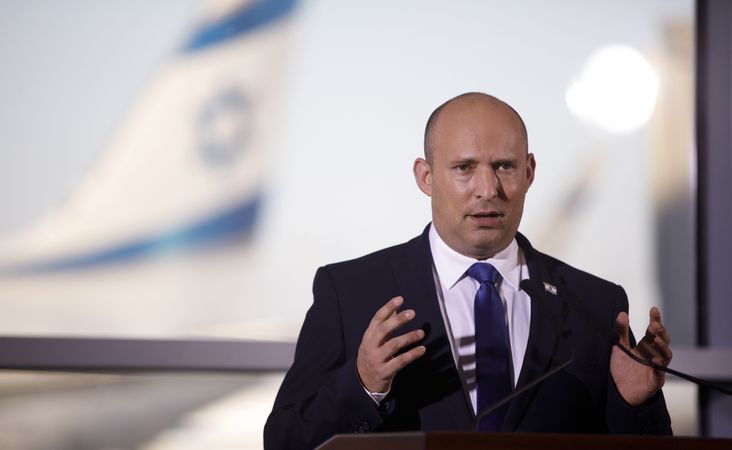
616,90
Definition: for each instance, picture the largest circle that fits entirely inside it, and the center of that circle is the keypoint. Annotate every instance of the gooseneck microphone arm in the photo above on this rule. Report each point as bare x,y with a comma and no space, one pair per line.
533,295
520,391
606,332
695,380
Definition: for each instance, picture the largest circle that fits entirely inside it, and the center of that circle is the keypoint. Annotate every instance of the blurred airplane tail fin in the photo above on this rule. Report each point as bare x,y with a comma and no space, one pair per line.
187,164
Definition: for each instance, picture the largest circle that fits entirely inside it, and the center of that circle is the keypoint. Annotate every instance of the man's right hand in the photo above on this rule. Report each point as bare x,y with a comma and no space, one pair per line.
376,363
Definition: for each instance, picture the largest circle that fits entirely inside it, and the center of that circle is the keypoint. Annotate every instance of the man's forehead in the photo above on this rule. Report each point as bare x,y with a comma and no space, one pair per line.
474,124
477,107
473,118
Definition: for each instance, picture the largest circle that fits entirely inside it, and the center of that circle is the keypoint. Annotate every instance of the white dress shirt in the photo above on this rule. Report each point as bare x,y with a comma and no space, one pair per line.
456,295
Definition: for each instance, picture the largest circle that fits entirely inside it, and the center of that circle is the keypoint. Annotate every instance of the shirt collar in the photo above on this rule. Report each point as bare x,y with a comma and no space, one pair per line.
451,265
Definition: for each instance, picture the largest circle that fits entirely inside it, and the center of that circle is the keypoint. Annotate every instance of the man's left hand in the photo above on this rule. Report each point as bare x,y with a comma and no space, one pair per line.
636,383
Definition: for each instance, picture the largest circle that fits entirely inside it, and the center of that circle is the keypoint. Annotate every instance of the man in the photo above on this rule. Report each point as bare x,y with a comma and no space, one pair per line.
459,334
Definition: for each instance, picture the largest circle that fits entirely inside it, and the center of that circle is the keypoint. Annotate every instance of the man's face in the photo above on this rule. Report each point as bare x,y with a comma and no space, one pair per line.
479,176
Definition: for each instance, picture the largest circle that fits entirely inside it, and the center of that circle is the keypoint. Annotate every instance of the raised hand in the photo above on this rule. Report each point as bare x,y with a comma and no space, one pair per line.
376,361
636,382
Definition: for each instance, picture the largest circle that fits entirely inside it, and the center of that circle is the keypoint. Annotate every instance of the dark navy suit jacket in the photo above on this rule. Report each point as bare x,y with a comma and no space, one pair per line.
321,394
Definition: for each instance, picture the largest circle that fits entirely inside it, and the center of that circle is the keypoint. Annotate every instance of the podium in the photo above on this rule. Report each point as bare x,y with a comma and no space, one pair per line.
516,441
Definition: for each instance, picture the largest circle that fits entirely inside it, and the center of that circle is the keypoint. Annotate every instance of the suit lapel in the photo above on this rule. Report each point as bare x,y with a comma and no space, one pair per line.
414,277
541,350
413,273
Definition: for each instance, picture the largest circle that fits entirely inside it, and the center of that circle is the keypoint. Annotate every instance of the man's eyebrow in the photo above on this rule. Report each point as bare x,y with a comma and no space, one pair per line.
463,161
505,161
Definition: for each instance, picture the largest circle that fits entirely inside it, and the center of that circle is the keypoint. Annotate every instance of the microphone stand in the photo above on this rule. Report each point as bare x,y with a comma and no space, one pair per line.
695,380
520,391
605,332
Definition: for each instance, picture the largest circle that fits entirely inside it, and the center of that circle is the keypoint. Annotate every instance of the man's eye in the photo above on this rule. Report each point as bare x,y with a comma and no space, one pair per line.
463,167
504,166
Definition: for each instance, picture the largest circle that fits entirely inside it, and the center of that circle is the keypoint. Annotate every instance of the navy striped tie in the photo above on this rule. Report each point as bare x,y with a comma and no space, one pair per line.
493,374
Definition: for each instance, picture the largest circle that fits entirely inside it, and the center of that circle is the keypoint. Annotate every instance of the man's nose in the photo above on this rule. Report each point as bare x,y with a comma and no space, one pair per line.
487,184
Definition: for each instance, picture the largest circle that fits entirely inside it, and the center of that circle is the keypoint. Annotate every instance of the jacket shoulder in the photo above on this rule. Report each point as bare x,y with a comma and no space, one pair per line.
377,259
572,274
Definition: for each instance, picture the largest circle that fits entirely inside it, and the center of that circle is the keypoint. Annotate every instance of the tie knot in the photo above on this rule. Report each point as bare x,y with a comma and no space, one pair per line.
482,272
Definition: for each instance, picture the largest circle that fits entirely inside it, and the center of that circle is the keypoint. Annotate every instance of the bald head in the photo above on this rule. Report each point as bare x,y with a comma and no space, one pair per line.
477,171
458,103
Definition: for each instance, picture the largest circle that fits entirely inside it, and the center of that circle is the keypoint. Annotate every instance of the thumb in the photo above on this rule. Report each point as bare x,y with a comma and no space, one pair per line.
622,327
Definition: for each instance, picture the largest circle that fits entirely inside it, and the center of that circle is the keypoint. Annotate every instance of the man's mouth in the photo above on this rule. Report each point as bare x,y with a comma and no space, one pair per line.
487,215
486,219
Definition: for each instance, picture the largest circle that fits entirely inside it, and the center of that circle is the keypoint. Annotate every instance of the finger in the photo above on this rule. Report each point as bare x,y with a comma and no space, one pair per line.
385,328
401,361
623,328
655,314
381,315
387,310
393,345
646,349
655,349
655,325
664,350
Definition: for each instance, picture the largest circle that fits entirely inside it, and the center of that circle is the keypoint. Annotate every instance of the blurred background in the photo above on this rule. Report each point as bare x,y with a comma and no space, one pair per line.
162,164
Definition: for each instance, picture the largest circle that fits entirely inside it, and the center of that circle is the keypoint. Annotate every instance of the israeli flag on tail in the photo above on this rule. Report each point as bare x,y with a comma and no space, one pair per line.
187,165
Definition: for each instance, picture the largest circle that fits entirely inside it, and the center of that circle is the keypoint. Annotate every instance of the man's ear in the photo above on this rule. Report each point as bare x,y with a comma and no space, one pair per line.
530,169
423,175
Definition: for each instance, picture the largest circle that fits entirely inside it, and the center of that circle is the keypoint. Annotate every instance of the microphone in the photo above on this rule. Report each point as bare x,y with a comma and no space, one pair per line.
520,391
561,330
611,335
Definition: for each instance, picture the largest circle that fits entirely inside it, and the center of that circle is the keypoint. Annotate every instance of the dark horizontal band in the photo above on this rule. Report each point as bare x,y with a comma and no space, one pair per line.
91,354
140,355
